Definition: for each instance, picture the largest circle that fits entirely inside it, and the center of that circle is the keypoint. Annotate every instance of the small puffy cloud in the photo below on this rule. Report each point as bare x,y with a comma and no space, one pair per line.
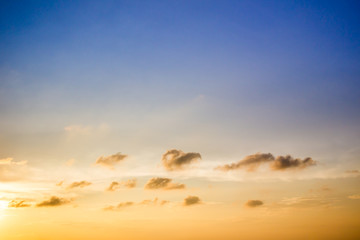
253,203
119,206
191,200
11,170
18,204
80,184
250,163
113,186
53,202
177,159
110,161
163,183
354,197
288,162
131,183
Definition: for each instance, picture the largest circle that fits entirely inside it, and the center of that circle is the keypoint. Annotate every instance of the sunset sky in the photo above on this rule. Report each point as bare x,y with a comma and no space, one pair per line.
196,120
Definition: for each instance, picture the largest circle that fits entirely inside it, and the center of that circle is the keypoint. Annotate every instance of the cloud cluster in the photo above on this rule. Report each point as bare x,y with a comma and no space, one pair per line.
110,161
253,203
131,183
18,204
177,159
11,170
163,183
80,184
53,202
191,200
252,162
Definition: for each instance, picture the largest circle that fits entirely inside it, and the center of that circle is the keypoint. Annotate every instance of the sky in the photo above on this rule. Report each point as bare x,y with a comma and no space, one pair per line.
179,119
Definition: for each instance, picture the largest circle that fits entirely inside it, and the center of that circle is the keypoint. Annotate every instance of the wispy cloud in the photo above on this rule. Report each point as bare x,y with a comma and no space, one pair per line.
163,183
252,162
354,197
119,206
80,184
177,159
156,201
11,170
146,202
18,204
110,161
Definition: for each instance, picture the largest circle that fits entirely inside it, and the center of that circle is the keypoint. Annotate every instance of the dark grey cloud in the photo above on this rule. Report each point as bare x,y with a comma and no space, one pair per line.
286,162
18,204
53,202
163,183
130,183
110,161
80,184
177,159
254,203
191,200
252,162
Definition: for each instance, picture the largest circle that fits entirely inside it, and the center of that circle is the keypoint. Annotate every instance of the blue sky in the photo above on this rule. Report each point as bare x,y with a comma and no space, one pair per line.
235,71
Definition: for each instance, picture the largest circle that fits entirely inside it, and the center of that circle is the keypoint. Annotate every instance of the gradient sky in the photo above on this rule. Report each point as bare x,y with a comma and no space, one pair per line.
95,92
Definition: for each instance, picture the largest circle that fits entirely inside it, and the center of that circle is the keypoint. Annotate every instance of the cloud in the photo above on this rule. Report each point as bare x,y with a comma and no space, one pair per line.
353,171
153,202
306,202
78,129
177,159
18,204
86,130
53,202
252,162
163,183
11,170
59,184
131,183
253,203
354,197
286,162
146,202
81,184
70,162
119,206
191,200
111,160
